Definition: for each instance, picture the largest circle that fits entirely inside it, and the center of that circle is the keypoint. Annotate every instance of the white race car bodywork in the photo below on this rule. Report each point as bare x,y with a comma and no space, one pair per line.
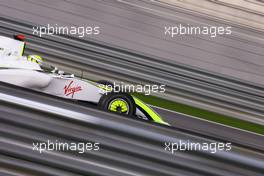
16,69
58,85
11,47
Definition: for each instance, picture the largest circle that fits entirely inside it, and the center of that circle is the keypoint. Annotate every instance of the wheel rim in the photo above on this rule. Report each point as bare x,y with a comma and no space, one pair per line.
119,105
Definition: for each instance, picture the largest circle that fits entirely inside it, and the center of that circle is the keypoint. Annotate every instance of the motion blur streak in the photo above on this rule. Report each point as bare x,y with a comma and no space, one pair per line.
132,48
127,147
229,96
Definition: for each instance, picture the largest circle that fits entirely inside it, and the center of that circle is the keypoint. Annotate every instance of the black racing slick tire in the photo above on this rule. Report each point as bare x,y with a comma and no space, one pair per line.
121,103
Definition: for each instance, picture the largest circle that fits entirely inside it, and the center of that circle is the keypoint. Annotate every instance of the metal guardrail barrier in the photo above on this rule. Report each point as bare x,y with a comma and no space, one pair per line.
127,147
241,97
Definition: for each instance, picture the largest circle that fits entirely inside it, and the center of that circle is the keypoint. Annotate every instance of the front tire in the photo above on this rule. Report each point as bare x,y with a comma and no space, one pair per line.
121,103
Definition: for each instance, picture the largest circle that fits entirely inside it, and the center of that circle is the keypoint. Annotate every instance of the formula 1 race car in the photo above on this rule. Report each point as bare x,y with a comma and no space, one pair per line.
31,72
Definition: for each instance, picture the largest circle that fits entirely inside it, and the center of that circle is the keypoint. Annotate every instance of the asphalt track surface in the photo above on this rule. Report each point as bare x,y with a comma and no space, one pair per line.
212,129
207,129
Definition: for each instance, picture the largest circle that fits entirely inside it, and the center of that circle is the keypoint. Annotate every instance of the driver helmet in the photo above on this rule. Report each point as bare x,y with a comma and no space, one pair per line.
35,58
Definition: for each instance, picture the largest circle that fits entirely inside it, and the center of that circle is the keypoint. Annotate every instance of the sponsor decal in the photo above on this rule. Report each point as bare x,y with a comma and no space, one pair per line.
70,90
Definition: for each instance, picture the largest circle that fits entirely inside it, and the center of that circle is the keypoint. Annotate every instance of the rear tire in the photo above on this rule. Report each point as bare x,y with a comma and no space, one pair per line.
121,103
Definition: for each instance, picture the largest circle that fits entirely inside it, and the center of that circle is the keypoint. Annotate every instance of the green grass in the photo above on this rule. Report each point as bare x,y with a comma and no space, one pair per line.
201,113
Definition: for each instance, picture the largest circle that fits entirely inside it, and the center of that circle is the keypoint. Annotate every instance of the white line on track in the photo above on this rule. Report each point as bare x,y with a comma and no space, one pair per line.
174,112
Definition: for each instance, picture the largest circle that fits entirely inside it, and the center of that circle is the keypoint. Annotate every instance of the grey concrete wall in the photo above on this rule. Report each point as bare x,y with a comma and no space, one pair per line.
139,26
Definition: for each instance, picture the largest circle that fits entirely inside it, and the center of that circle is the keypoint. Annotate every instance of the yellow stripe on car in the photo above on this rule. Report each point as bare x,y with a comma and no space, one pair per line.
149,111
35,58
22,49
